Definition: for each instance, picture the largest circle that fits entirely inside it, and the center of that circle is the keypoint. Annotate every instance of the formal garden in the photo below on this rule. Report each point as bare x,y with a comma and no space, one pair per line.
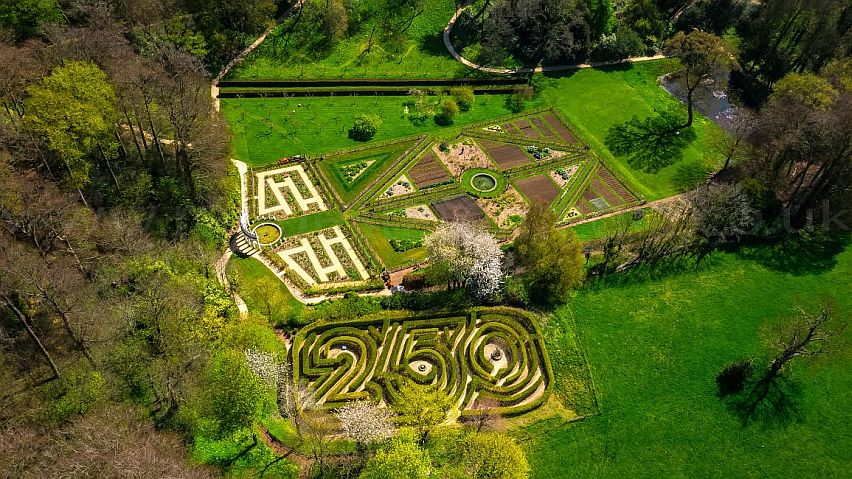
425,239
380,171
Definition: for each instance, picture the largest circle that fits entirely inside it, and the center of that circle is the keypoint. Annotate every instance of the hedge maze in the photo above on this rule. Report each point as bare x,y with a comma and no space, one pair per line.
493,353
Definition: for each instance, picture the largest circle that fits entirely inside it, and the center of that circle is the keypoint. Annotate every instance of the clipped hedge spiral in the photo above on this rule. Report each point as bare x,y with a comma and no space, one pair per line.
370,358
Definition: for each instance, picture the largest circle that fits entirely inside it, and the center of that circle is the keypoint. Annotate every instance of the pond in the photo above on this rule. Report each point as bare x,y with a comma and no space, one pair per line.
710,98
483,182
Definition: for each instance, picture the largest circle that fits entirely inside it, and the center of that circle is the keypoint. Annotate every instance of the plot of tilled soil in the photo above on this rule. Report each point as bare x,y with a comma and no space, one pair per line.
559,128
527,129
428,171
461,208
504,154
539,189
616,185
545,130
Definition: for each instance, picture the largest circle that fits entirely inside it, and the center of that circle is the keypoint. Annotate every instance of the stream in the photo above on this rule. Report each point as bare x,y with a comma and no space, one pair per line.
710,98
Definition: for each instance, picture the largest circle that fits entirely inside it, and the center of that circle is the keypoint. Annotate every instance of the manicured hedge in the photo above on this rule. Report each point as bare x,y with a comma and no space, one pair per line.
380,350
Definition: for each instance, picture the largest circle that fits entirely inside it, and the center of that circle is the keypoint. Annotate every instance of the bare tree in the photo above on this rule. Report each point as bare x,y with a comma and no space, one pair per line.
805,336
723,214
486,415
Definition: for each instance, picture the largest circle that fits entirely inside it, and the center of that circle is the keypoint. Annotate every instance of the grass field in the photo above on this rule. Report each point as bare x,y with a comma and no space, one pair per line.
304,224
261,290
382,157
654,349
379,236
421,54
595,99
599,228
266,129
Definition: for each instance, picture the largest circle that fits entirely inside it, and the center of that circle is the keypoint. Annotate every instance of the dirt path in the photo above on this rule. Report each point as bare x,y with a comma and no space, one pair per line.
505,71
282,450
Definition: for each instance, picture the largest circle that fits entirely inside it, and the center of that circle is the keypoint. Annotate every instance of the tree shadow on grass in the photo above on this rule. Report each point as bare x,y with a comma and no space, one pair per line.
778,405
652,143
805,252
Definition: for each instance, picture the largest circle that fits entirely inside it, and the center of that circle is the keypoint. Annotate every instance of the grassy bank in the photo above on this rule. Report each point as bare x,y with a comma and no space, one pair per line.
419,54
261,290
596,99
654,349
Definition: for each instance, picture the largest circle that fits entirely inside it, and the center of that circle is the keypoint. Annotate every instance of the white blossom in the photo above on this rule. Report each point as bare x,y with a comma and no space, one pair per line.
470,254
365,422
264,365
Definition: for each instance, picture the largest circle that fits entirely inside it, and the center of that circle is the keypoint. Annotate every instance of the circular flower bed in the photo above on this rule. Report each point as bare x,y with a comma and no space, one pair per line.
483,183
267,233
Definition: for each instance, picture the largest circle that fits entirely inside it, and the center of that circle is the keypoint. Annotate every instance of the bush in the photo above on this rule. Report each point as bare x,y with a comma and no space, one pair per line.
403,245
521,94
618,46
365,127
448,111
75,393
413,281
733,378
464,97
515,292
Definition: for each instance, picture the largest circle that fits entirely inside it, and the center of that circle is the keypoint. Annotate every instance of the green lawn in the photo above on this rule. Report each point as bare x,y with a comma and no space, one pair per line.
420,55
305,224
382,157
266,129
261,290
654,349
594,100
599,228
379,238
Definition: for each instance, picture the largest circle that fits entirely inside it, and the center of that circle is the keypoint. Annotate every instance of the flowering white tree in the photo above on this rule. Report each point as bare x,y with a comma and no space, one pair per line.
365,422
264,365
467,254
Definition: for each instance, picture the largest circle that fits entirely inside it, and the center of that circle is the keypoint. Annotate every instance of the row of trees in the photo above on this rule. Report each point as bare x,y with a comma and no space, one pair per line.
120,128
114,203
408,439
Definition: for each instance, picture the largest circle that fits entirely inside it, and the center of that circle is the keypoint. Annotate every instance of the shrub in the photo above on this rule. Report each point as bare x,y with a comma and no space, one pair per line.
75,393
733,378
448,111
521,94
402,245
464,97
413,281
365,127
618,46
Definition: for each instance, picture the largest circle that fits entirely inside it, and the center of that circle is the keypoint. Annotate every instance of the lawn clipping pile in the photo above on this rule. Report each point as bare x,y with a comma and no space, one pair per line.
496,354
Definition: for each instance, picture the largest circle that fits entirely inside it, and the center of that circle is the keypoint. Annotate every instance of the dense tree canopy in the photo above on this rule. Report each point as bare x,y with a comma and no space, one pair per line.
552,259
549,31
73,110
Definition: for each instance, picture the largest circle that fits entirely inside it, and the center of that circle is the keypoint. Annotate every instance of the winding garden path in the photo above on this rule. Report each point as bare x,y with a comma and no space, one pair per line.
507,71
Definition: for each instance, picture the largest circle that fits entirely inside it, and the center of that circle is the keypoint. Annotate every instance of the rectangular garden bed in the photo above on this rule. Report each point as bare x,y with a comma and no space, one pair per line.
539,188
527,129
559,128
428,171
461,208
504,154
